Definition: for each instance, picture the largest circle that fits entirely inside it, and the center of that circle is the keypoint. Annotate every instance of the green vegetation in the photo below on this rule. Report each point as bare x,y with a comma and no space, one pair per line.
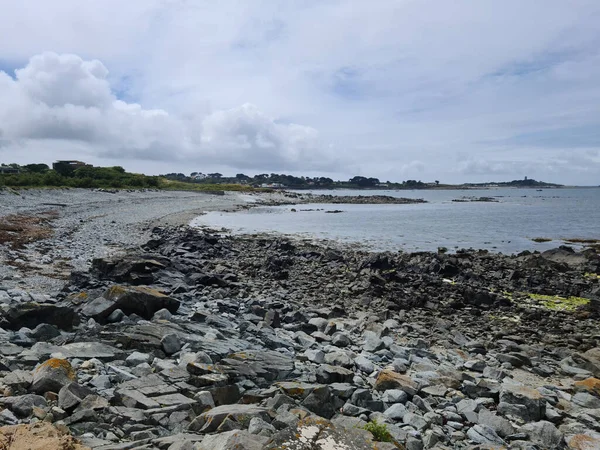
592,276
40,175
557,303
379,431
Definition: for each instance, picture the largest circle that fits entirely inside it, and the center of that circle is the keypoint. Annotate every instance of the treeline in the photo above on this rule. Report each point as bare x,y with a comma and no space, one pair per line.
294,182
32,175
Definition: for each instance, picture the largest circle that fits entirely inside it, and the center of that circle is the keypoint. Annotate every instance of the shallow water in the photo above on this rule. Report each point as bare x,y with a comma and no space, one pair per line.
506,226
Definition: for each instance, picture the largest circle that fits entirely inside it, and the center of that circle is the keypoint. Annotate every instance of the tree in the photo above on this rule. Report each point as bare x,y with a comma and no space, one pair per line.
37,168
215,175
437,182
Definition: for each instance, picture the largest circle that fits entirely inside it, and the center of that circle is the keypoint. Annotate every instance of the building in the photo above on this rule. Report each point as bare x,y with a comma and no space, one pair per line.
9,170
71,164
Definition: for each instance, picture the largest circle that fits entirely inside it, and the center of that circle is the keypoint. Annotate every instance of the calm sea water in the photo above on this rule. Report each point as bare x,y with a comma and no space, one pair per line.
506,226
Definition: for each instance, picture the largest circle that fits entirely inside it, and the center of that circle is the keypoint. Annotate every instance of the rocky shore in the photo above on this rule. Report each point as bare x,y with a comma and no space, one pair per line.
358,199
207,341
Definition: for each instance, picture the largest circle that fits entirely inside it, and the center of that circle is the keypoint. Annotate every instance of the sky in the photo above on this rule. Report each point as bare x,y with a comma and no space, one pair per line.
456,91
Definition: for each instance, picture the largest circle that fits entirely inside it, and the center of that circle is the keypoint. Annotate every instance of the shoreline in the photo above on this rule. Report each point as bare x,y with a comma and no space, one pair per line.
174,335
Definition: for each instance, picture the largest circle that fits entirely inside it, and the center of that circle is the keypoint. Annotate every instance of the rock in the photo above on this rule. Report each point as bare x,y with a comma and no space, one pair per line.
586,400
339,359
328,374
591,361
45,332
584,441
37,436
372,343
31,314
137,358
267,365
319,434
388,379
315,356
394,396
340,339
52,375
71,395
140,300
23,405
209,421
545,434
416,421
483,434
233,440
260,427
162,314
170,343
532,403
500,425
364,365
116,316
396,412
590,385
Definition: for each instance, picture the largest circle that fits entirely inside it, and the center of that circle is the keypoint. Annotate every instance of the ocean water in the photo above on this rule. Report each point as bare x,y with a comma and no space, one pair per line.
506,226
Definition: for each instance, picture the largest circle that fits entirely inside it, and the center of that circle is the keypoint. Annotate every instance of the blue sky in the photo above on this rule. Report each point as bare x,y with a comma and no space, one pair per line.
430,89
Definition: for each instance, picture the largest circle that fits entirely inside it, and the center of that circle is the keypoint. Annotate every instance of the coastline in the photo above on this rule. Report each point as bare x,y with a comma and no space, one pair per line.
183,335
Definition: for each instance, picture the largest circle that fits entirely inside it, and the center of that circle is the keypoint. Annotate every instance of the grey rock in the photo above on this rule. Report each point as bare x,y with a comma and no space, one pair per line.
71,395
260,427
394,396
116,316
532,401
586,400
210,420
233,440
328,374
499,424
162,314
416,421
396,412
483,434
340,339
52,376
137,358
339,359
364,365
170,343
23,405
544,434
315,356
372,343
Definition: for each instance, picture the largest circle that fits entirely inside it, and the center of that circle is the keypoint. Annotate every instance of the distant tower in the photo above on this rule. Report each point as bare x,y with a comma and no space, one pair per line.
525,178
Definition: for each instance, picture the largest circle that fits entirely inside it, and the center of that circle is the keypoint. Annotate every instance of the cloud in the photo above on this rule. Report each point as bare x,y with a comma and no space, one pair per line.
63,97
406,81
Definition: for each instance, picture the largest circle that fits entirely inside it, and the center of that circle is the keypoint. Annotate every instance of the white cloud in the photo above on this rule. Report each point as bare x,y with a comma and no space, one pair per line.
385,84
63,97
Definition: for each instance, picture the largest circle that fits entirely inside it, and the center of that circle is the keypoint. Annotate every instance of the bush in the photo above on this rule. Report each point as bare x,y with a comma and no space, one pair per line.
379,431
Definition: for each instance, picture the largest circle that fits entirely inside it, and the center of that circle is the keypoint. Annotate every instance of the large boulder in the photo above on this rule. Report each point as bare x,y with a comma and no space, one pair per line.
140,300
320,434
30,315
52,375
211,420
133,270
233,440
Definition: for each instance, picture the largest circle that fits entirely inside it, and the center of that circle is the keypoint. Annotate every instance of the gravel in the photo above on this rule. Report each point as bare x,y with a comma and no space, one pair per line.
93,224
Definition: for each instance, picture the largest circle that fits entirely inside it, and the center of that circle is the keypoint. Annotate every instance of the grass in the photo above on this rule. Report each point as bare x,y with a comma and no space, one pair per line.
379,431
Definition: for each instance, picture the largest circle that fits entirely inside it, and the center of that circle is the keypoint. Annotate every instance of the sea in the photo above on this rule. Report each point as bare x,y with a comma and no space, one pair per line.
505,226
